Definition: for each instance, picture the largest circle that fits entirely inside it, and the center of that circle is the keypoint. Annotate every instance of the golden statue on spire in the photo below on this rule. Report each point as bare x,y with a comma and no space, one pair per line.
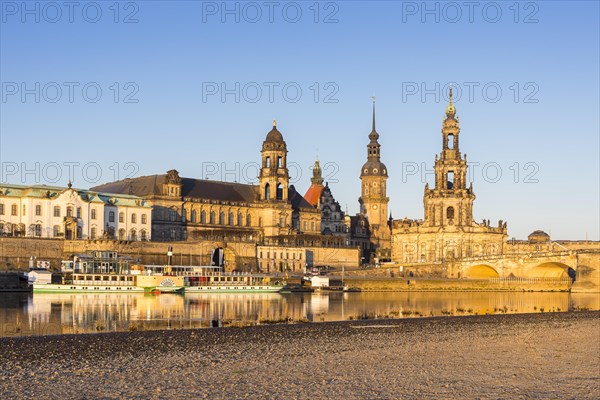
274,123
450,110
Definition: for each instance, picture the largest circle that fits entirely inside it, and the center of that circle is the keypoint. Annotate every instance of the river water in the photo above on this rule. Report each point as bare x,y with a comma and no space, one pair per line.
26,314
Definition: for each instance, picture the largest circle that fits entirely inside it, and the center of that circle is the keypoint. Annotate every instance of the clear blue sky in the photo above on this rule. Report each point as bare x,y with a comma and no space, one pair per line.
176,50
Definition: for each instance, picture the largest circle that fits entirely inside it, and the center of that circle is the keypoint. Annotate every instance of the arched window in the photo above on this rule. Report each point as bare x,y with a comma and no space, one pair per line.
78,212
111,216
69,211
132,235
450,179
183,215
212,217
143,235
230,218
13,209
248,220
93,213
239,219
450,213
193,216
38,230
57,211
121,217
451,141
267,192
202,217
38,210
133,218
93,233
279,194
279,162
55,230
268,162
221,218
144,219
121,234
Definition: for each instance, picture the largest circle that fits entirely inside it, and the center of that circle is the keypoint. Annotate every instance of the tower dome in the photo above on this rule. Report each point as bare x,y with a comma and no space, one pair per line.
274,135
374,168
274,139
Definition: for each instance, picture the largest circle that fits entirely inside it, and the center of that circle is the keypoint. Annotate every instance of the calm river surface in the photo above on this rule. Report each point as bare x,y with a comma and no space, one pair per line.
24,314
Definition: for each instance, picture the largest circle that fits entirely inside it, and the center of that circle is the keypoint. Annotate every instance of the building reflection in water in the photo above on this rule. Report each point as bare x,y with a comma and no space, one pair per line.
39,314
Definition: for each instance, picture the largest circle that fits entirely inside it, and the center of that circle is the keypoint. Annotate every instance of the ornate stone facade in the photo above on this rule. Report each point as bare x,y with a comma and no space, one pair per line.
202,210
448,229
68,213
332,216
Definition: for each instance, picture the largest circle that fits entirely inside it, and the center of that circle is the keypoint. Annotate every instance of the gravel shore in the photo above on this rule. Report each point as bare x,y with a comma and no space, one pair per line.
549,356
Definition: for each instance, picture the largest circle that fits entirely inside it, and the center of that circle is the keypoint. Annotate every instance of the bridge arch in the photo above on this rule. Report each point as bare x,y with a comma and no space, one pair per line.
481,271
555,270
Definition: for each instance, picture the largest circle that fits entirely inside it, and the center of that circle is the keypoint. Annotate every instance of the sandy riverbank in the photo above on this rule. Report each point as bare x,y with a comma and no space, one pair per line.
500,356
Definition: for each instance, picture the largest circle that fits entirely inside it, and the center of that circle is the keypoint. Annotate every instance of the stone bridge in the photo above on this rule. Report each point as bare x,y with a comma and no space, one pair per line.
581,266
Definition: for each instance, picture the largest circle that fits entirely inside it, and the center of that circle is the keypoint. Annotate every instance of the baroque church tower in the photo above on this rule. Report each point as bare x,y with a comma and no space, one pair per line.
274,176
450,203
373,200
448,230
274,187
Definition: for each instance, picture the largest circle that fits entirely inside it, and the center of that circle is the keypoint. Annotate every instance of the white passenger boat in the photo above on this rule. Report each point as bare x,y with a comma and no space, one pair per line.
102,271
210,279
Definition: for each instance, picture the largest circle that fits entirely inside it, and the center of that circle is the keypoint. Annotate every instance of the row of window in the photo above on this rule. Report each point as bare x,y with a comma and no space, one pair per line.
221,221
281,254
70,213
312,225
36,230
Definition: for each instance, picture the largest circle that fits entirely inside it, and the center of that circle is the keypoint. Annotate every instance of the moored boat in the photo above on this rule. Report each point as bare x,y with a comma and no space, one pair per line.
106,272
211,279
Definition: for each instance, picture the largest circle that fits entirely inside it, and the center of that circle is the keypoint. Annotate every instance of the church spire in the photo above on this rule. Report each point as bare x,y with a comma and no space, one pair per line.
373,136
373,152
373,114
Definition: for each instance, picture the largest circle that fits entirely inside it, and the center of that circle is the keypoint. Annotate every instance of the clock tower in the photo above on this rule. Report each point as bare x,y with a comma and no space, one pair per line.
373,200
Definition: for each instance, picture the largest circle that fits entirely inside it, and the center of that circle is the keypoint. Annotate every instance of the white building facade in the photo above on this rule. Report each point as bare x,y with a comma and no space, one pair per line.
68,213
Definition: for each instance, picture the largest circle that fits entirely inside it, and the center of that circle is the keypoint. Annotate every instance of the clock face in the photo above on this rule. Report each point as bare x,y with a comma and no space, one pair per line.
374,206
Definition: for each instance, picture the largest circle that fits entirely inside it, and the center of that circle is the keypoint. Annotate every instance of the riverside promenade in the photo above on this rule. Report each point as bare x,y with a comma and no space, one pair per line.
549,356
